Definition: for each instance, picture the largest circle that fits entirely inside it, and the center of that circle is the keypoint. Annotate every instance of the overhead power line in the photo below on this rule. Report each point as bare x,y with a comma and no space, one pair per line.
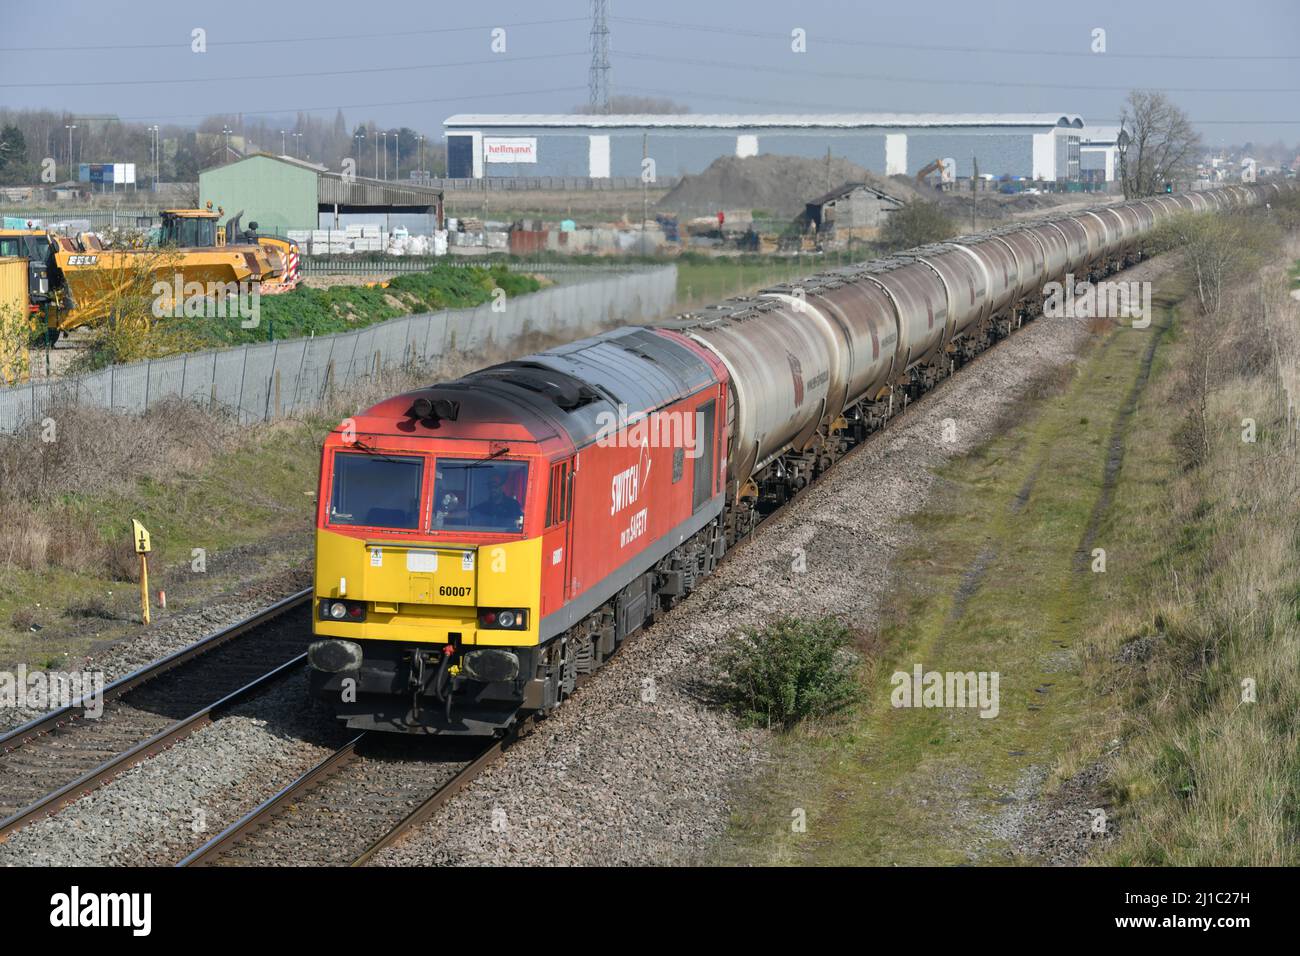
822,107
184,42
944,48
285,110
173,80
933,81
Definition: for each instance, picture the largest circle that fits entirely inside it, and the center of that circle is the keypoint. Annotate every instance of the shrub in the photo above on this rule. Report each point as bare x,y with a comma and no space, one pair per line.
916,223
788,671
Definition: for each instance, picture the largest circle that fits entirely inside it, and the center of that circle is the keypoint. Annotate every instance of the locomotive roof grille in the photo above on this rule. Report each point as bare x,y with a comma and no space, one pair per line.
561,388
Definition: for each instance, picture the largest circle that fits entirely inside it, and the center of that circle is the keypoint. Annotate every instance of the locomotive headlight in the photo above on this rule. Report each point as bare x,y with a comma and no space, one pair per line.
338,611
503,619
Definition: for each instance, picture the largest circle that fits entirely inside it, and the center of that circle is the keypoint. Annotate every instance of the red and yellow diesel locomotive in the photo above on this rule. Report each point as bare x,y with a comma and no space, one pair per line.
483,543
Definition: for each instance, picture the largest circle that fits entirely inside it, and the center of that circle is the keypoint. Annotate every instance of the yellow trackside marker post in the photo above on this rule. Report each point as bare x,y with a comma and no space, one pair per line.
142,547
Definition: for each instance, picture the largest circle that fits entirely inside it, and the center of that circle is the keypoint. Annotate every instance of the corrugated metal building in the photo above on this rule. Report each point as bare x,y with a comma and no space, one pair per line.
1037,145
1099,153
280,193
854,206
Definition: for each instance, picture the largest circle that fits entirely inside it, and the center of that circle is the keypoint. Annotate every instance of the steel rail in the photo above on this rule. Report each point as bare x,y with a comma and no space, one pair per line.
38,726
59,798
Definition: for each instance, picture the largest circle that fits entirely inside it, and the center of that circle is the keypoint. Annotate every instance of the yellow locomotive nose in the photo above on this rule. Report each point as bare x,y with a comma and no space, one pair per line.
426,593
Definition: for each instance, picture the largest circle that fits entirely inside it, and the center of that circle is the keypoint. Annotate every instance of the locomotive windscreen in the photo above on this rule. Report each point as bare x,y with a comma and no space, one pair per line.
376,491
480,495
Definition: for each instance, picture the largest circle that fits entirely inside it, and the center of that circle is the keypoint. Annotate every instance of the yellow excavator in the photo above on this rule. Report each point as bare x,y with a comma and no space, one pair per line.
936,166
87,279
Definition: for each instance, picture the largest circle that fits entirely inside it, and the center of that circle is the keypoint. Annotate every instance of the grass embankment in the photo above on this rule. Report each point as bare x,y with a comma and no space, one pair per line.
1210,770
244,494
991,583
66,562
702,280
307,312
304,311
1139,671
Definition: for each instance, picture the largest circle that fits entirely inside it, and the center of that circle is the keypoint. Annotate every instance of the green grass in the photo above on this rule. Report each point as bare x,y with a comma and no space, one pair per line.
987,588
260,492
705,279
306,311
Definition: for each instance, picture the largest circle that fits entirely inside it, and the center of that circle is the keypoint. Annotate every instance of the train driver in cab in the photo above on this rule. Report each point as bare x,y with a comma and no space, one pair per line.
500,509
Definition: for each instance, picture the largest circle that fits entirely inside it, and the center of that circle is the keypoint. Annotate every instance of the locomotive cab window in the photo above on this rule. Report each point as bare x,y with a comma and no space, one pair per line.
474,495
376,491
557,495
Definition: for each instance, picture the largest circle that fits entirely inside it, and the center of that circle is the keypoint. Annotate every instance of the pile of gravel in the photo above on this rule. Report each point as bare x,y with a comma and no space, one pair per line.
780,185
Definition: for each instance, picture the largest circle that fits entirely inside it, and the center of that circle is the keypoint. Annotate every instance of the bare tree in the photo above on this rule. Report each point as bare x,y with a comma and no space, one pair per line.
1161,147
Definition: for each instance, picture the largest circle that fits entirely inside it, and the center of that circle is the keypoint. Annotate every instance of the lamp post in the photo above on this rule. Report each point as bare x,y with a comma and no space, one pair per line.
225,157
419,140
156,140
283,151
297,144
69,129
383,148
358,143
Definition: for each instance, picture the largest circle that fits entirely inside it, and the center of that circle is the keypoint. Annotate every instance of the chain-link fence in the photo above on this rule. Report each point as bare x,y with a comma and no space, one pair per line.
264,381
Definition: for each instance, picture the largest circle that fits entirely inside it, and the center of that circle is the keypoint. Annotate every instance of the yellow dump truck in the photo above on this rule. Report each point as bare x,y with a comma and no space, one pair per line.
15,324
89,281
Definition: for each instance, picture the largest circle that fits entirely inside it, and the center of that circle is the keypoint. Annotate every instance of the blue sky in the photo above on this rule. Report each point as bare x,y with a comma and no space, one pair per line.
414,63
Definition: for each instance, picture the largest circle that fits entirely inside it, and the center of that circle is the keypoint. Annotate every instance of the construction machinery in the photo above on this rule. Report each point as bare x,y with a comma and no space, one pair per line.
936,166
89,280
33,245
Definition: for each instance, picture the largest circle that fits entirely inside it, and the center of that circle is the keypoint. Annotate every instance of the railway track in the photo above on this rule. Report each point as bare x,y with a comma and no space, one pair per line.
343,811
55,759
351,805
377,787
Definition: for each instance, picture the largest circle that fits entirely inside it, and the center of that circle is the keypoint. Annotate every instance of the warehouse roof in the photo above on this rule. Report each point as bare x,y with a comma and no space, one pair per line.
748,120
846,189
1101,135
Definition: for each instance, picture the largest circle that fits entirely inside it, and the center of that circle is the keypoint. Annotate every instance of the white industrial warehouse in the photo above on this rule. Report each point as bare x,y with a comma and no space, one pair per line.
1041,146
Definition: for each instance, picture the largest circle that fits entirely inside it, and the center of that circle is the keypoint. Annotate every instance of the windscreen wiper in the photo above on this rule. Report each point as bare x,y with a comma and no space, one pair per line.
483,461
358,443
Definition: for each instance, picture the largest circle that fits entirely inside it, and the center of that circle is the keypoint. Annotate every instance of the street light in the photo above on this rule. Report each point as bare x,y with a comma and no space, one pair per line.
420,144
283,151
156,142
297,144
69,129
383,148
357,144
225,158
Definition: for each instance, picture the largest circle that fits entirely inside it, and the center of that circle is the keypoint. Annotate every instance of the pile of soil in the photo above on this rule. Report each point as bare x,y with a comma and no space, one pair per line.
780,185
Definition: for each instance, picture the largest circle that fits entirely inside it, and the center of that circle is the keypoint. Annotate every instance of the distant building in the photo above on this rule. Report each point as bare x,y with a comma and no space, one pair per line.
1099,153
280,193
1041,146
852,207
